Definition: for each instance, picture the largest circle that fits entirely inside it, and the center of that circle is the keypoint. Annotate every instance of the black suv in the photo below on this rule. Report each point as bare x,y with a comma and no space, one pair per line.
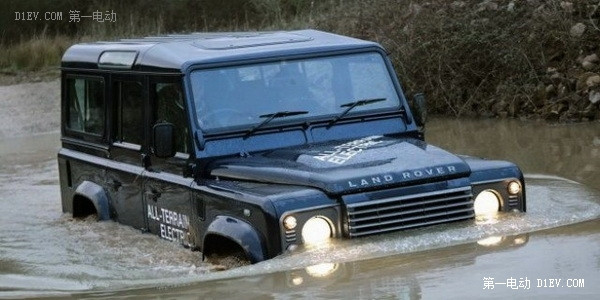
254,143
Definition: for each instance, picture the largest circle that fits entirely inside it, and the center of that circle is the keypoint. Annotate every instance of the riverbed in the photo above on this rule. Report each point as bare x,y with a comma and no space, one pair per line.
44,252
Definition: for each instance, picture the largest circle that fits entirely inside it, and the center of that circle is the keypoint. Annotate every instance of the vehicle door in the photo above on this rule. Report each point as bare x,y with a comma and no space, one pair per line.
124,173
167,195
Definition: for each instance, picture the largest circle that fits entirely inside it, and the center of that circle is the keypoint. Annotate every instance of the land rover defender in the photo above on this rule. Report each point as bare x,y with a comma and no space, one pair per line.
252,144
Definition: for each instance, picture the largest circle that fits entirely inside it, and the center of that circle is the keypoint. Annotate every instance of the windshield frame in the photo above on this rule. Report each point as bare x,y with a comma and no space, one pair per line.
316,119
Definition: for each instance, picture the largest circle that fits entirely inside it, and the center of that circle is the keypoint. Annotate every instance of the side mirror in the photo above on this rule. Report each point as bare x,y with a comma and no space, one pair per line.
419,109
163,140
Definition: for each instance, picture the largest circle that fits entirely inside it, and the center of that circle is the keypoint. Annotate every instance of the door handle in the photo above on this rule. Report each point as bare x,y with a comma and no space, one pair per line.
115,184
145,159
154,195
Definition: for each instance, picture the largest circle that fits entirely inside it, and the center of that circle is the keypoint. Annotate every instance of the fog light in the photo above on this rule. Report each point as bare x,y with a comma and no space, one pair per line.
514,187
290,222
487,203
316,230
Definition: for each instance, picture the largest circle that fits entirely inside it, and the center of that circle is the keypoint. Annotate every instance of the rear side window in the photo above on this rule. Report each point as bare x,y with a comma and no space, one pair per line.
86,106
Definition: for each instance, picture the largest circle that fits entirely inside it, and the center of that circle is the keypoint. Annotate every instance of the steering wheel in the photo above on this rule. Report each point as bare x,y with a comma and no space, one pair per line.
223,116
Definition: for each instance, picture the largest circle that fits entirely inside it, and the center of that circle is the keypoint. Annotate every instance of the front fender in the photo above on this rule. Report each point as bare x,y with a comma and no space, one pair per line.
240,232
96,195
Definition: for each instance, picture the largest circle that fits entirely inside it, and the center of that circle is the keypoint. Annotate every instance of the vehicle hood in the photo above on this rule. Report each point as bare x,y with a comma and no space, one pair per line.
346,166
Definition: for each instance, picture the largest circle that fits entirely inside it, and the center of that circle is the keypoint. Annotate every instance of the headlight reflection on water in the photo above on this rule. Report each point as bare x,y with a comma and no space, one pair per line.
490,241
322,270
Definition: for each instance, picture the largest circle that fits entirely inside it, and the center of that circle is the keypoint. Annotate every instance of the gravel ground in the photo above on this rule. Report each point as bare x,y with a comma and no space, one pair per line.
29,108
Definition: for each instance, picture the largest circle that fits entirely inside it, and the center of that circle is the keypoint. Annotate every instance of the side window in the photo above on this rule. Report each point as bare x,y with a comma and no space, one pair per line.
86,105
129,112
170,107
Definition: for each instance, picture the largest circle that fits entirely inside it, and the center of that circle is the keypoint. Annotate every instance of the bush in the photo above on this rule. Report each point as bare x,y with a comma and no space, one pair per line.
481,58
489,57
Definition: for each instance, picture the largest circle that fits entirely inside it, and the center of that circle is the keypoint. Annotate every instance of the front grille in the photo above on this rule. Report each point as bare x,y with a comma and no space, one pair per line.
409,211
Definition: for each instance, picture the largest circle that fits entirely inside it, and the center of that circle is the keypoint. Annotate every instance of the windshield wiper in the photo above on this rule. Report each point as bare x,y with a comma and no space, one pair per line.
352,105
270,117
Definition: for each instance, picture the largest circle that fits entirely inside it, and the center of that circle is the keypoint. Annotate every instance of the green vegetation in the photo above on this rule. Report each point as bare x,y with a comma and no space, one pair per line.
487,57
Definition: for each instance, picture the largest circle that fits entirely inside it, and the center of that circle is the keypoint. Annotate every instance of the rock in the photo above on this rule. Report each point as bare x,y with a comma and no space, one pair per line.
552,115
510,6
589,62
582,81
588,66
593,58
414,8
594,97
593,81
487,5
578,29
458,4
567,6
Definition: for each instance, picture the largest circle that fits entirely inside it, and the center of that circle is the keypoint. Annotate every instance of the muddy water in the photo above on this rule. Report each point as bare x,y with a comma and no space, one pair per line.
45,253
567,150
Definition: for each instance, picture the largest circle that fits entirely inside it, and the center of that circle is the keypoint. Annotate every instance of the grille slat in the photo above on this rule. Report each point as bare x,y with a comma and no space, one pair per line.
414,225
416,218
409,211
394,199
400,206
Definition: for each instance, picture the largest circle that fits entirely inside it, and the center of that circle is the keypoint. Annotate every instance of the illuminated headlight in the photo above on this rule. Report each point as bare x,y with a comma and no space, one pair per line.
487,203
290,222
316,230
514,187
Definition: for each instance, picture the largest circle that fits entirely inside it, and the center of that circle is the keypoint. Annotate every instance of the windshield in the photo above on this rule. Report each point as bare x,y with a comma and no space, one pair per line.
238,96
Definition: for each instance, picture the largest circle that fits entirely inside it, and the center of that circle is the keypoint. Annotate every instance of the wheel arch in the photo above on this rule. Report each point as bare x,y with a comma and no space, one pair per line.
95,195
237,231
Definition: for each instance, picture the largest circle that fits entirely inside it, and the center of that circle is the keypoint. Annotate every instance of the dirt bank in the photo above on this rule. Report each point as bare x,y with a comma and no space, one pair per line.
29,108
